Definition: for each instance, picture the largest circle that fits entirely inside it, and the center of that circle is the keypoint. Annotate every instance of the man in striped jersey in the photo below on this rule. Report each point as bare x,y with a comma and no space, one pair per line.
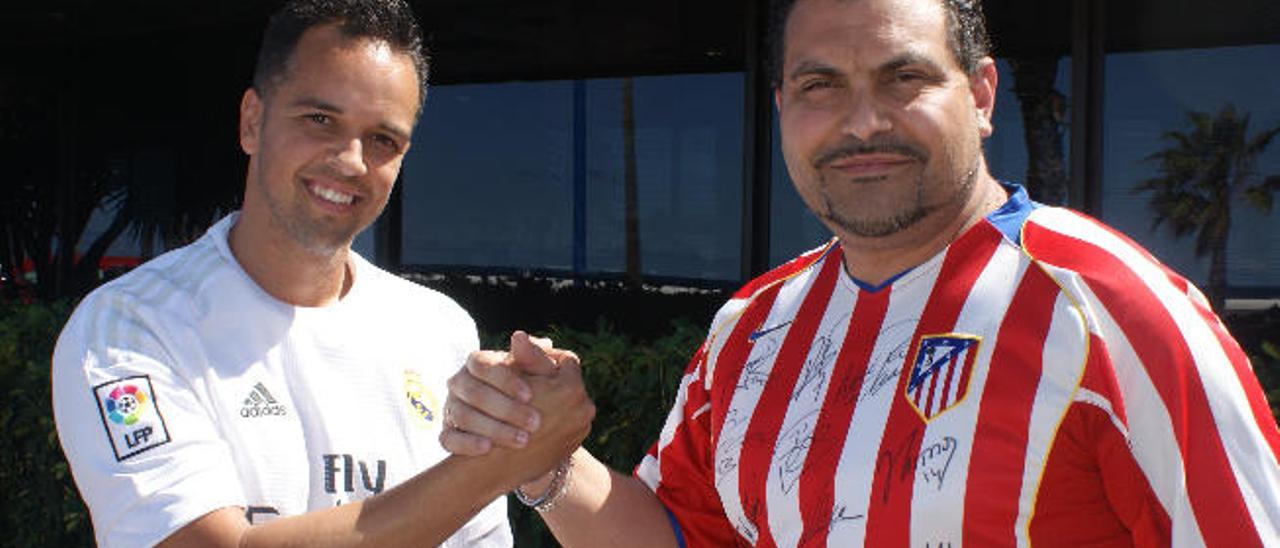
957,366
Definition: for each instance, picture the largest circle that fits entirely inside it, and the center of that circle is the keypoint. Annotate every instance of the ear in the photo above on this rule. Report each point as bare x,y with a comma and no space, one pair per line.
777,98
250,121
983,85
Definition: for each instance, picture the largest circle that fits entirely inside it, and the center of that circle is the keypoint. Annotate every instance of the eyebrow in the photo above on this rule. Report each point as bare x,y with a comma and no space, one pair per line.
907,59
811,67
320,104
806,68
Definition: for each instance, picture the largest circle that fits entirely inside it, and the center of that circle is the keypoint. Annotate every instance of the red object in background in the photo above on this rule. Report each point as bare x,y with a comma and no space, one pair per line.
109,263
23,277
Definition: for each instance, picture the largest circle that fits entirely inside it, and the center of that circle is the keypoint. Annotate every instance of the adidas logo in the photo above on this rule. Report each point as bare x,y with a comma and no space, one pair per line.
260,403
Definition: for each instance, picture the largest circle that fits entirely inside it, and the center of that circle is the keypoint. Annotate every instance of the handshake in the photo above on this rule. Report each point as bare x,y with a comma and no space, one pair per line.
521,414
527,406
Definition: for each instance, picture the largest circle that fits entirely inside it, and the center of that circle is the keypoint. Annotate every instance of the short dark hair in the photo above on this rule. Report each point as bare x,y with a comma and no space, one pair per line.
390,21
966,34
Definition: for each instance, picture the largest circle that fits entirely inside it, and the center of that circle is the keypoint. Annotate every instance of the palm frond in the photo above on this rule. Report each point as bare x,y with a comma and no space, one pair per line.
1261,141
1259,197
1202,166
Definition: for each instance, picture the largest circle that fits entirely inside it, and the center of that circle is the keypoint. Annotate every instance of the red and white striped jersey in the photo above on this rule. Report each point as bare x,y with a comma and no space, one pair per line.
1041,381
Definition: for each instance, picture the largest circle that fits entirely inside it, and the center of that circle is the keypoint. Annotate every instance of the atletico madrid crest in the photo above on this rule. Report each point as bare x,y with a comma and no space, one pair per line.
940,374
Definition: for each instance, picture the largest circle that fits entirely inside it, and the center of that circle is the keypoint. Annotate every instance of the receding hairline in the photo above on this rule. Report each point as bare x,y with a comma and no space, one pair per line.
391,21
906,56
965,34
346,40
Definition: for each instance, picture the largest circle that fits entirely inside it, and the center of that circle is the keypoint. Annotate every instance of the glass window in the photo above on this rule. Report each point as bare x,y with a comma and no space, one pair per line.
793,229
1148,94
488,178
688,143
494,174
1007,155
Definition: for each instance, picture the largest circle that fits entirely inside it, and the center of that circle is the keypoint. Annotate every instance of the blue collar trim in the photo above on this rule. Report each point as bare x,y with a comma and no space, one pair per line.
1010,217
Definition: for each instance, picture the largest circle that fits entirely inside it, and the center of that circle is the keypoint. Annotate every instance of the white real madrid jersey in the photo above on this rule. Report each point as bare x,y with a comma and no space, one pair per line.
183,387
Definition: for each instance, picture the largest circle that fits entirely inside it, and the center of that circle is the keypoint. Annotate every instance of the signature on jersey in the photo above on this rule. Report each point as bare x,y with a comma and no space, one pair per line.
935,459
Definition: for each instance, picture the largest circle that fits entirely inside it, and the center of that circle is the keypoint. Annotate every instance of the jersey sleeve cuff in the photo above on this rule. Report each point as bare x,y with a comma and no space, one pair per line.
675,526
162,513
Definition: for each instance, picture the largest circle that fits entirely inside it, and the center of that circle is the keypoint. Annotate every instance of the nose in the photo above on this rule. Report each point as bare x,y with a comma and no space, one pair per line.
348,158
864,117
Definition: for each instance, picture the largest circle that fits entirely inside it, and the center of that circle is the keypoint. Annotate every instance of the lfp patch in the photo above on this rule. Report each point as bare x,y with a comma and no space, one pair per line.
940,375
130,416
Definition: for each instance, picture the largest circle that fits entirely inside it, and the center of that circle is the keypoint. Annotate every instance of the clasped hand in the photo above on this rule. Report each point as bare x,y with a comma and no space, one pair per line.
528,404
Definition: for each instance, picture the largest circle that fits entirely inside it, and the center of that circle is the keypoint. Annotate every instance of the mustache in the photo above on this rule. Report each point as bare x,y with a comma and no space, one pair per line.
853,146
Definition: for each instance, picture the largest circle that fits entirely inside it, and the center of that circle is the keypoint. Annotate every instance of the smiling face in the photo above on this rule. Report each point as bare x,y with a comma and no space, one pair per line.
881,127
326,142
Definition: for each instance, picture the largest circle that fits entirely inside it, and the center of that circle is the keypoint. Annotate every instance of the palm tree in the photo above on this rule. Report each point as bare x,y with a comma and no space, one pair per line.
69,159
1201,173
1043,122
630,183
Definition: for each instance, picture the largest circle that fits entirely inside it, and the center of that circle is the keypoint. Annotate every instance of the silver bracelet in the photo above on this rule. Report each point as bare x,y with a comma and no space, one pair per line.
555,490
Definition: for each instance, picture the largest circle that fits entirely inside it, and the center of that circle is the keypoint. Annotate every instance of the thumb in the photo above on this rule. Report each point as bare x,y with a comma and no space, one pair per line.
529,357
561,357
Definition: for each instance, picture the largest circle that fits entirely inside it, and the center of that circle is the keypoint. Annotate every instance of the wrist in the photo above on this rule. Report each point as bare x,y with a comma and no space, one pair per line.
539,486
544,493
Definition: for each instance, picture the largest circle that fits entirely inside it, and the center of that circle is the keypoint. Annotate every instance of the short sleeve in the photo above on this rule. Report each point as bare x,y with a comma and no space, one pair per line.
143,447
1185,402
1197,420
679,467
466,337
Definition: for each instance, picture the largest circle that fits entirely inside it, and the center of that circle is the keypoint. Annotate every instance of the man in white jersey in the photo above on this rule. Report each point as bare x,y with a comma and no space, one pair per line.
265,385
959,365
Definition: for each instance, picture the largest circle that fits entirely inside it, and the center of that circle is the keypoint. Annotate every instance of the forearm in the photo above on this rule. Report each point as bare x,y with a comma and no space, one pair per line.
605,508
423,511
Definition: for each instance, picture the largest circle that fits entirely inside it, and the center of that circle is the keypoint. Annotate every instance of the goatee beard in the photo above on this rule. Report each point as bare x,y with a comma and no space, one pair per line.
888,226
881,227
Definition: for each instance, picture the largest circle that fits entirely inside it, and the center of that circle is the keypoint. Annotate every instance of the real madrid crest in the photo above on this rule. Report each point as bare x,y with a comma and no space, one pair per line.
422,404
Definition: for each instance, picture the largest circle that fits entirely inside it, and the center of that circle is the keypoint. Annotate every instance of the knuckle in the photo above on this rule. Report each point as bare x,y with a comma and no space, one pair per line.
461,410
462,391
512,382
482,359
470,423
454,442
499,376
567,359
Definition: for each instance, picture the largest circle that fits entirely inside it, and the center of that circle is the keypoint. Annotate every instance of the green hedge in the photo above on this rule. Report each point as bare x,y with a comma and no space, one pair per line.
632,383
1259,334
41,506
631,379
